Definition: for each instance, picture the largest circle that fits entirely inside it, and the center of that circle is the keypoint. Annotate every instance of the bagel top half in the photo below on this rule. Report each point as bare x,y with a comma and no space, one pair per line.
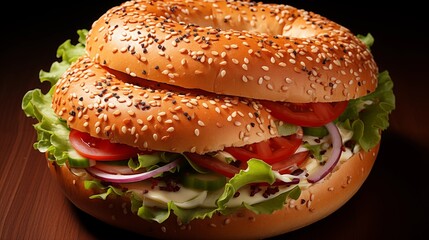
247,49
108,104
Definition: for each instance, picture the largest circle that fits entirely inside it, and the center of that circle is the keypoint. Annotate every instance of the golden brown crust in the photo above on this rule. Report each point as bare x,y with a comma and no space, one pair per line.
315,203
95,100
255,50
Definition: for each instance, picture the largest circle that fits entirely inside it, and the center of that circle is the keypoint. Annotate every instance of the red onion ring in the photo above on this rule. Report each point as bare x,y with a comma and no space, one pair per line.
333,158
117,178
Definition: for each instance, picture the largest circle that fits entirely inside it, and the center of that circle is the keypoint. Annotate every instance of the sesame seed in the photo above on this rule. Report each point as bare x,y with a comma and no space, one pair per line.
223,73
155,136
116,113
197,132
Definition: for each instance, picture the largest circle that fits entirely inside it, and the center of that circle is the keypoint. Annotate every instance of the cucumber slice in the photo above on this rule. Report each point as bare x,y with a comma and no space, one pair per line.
208,181
78,161
315,131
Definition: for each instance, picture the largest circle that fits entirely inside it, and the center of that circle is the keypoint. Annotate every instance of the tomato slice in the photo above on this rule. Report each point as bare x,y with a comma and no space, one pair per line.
213,164
271,151
100,149
288,165
306,114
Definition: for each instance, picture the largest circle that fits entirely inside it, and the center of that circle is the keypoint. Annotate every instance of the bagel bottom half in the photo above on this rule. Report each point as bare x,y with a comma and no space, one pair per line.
315,203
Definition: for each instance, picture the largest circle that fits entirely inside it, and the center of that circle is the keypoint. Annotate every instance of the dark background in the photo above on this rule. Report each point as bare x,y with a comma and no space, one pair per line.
392,204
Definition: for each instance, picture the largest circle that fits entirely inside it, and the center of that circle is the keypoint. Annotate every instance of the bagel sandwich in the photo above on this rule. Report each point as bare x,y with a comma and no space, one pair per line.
181,119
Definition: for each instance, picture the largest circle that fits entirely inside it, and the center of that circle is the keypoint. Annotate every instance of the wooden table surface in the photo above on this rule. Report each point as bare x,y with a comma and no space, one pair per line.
392,204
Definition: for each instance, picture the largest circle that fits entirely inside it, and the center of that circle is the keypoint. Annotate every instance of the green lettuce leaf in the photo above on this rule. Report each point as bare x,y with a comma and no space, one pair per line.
257,172
314,149
368,40
68,53
368,116
107,190
52,132
286,129
150,161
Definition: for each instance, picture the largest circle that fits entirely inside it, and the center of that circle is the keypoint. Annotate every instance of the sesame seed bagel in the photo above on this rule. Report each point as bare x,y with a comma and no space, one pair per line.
315,203
107,104
247,49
